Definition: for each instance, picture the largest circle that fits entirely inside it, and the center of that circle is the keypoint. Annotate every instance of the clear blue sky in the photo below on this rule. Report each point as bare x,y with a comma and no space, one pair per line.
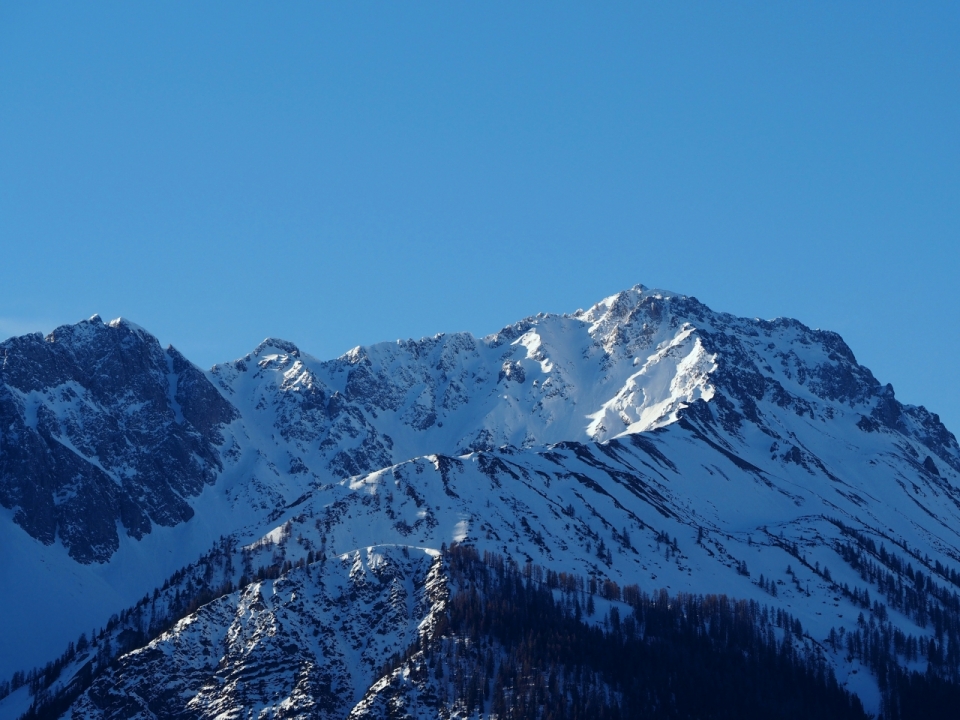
344,173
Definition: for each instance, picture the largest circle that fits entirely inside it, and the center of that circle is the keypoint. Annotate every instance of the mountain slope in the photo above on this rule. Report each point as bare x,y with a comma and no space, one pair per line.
646,441
306,644
103,428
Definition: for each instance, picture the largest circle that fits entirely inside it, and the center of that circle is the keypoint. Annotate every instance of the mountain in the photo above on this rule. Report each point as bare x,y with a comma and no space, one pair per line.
647,443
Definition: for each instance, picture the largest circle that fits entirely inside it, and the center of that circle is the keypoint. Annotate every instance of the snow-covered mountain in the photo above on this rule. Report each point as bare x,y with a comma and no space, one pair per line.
102,427
648,441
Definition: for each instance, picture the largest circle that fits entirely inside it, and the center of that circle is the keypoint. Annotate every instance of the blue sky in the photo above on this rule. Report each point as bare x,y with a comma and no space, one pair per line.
339,174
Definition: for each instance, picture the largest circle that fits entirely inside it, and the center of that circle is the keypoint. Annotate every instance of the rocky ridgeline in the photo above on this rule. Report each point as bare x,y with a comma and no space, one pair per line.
630,364
647,441
102,429
307,644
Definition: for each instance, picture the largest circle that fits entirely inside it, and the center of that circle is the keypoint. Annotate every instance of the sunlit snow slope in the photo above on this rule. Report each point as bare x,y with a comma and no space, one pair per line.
648,440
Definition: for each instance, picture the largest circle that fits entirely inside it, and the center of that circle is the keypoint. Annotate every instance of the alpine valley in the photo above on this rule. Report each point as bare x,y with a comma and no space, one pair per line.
644,509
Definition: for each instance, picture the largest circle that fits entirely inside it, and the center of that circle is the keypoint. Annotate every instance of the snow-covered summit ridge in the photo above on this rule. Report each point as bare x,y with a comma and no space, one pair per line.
634,362
277,421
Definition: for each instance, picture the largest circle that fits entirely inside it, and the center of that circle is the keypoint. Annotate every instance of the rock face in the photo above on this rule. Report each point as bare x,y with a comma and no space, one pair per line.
306,645
100,428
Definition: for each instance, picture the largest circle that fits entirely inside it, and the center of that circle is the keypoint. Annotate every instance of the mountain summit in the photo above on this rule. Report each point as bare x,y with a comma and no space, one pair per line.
647,442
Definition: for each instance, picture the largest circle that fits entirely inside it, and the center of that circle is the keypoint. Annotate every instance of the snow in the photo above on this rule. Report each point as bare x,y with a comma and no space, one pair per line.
121,321
445,443
16,703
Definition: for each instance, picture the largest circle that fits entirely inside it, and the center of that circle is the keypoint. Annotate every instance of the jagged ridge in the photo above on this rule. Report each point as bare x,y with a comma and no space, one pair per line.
646,440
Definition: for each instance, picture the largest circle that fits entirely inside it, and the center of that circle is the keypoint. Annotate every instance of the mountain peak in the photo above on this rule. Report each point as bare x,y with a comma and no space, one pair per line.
126,323
621,303
94,329
276,346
